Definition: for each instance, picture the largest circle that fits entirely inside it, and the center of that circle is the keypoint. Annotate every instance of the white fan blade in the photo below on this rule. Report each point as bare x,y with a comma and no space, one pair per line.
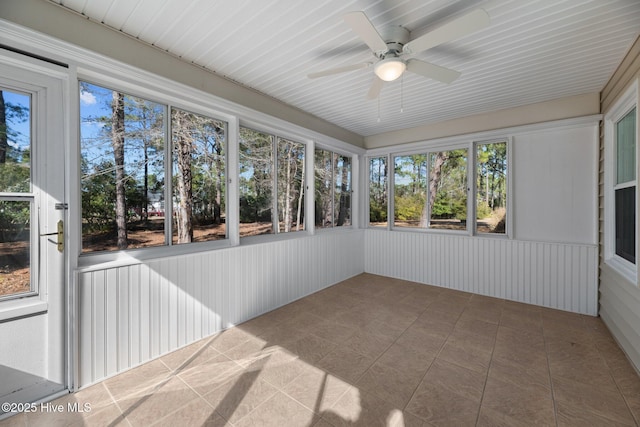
338,70
432,71
453,30
376,87
361,25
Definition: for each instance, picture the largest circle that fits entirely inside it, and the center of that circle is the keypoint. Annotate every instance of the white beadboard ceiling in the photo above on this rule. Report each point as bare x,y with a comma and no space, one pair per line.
532,51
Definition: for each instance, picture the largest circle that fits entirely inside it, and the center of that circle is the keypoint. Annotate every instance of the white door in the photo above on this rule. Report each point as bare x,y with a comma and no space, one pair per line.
33,299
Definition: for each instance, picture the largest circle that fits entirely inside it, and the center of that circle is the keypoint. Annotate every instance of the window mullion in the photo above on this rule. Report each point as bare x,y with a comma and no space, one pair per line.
274,193
168,174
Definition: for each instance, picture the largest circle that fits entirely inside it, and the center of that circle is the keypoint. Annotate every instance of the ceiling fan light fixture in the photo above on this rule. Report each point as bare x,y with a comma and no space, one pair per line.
390,69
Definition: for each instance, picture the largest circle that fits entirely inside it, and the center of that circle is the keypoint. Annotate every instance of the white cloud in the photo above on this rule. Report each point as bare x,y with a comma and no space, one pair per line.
87,98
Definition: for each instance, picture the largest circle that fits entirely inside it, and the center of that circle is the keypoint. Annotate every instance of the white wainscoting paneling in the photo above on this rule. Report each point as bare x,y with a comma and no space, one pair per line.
555,275
128,315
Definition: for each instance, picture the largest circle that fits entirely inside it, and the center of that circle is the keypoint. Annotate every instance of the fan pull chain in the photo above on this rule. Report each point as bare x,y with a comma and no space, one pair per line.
378,108
402,93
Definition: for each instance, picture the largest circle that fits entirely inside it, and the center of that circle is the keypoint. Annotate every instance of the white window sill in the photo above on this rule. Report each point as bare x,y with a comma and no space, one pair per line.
624,268
21,307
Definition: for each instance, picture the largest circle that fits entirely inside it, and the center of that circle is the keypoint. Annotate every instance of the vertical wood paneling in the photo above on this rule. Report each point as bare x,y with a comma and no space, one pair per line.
562,276
129,315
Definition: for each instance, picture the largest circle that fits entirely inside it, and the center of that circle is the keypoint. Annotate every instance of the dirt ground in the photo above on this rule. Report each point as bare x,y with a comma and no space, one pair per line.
153,235
14,268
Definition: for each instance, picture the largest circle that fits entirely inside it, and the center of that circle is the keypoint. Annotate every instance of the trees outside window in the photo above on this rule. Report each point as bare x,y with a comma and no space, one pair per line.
124,151
491,187
333,189
378,192
16,201
198,177
272,183
430,189
433,197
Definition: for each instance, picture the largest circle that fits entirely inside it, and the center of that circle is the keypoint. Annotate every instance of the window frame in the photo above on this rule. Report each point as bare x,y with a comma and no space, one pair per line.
473,184
352,193
619,110
168,102
136,82
448,144
277,134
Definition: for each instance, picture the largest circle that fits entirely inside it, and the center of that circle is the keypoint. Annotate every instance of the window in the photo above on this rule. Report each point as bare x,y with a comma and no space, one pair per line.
271,184
430,190
16,202
333,189
198,177
621,185
124,147
625,187
378,192
491,187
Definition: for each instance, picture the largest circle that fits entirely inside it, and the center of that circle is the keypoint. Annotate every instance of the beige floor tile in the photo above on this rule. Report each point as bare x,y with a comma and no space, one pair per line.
456,379
490,313
316,389
60,417
492,418
518,338
230,338
368,343
435,328
240,395
247,350
277,366
521,319
17,420
359,408
146,407
332,331
431,315
390,384
587,398
137,379
425,339
476,326
526,374
189,356
311,348
280,410
208,377
107,416
579,362
468,350
448,395
388,328
345,363
378,351
570,416
410,360
441,407
522,403
196,413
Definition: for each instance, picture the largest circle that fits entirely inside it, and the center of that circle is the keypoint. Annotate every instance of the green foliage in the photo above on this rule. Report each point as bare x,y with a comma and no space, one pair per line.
483,210
15,177
14,220
409,207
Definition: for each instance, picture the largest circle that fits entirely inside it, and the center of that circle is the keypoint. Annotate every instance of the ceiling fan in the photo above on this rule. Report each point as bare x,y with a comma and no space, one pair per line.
393,46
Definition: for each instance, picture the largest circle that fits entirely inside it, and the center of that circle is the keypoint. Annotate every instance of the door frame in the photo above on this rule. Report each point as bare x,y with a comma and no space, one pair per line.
50,144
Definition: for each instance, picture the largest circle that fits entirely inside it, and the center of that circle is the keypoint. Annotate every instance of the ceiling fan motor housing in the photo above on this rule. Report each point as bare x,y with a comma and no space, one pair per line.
395,37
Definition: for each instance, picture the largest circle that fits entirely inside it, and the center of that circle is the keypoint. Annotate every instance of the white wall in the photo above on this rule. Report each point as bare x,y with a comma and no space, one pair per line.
131,314
552,257
555,185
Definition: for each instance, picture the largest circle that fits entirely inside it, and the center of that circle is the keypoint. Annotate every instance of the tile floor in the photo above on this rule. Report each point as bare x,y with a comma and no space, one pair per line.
375,351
